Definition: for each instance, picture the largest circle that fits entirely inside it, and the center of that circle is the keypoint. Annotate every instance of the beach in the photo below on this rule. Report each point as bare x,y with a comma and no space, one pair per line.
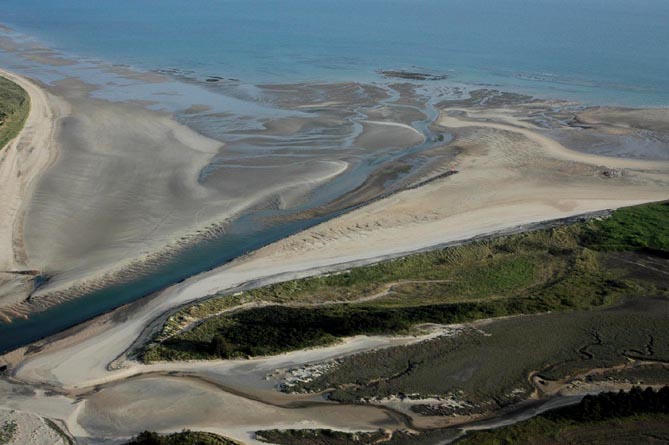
22,161
510,175
176,156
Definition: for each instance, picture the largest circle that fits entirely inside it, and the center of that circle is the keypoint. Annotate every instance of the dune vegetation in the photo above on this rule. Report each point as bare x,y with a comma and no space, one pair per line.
14,109
560,269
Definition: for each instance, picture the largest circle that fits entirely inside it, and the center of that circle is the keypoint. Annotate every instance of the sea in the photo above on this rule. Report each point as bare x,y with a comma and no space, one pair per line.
596,52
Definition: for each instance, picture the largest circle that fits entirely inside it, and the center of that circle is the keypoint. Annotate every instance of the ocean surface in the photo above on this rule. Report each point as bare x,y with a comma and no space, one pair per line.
612,52
594,51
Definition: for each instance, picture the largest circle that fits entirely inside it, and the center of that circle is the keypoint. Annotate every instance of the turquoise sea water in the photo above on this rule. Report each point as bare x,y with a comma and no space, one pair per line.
598,51
592,51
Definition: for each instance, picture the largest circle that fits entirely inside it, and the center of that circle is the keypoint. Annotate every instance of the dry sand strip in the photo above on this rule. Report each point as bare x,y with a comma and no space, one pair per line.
22,161
507,178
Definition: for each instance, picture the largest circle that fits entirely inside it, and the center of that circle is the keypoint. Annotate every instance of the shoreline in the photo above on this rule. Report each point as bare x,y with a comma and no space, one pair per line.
506,181
57,286
22,162
100,277
283,249
37,133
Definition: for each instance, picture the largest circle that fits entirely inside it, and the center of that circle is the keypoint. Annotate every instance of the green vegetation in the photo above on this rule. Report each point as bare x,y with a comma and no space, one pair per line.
608,405
183,438
14,109
330,437
594,295
639,416
319,437
274,329
7,431
561,269
644,227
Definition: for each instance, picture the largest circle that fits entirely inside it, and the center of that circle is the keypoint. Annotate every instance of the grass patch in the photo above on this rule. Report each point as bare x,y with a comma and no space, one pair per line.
275,329
14,110
185,437
644,227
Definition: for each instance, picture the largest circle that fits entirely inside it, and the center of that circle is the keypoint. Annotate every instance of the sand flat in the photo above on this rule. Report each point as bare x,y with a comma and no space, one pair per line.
509,174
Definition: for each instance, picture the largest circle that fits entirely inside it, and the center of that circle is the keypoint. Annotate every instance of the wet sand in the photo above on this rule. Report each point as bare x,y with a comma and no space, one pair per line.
510,173
132,186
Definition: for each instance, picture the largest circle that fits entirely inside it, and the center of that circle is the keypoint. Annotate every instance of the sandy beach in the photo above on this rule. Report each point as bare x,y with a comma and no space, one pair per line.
105,211
509,174
409,220
22,161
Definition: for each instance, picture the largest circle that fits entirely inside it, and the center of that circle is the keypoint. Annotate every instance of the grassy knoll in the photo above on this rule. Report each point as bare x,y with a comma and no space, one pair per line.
572,267
183,438
273,329
639,416
14,109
